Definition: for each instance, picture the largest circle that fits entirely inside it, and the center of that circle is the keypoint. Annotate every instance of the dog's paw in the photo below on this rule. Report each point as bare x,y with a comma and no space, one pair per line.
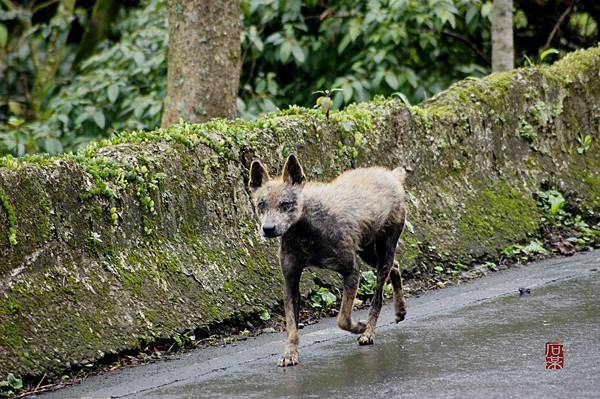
400,315
359,327
288,359
355,327
366,339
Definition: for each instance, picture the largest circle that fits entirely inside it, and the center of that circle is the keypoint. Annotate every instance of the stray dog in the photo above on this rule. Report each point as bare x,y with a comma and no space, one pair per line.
359,214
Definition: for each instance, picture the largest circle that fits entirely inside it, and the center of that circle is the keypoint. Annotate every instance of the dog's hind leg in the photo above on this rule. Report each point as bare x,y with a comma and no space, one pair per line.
386,248
399,301
344,319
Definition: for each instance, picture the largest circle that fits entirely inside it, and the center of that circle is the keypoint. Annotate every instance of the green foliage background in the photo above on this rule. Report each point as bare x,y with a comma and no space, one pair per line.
290,49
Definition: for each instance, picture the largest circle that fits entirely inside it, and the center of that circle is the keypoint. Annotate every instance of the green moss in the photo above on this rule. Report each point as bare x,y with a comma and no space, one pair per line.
527,132
140,269
11,334
409,249
420,116
490,93
186,162
9,307
12,221
42,222
593,183
542,114
572,66
352,127
437,110
234,290
500,83
499,216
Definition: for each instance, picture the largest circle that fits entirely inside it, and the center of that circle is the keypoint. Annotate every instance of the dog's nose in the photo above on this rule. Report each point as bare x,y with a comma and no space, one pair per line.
269,230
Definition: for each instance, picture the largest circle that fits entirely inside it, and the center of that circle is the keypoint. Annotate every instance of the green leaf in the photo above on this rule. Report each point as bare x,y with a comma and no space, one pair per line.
140,108
354,30
14,382
100,119
15,107
327,296
53,146
471,14
520,20
298,54
264,315
535,247
547,53
3,35
139,58
155,109
391,80
403,97
556,204
347,91
63,118
343,44
113,93
324,102
15,122
84,116
285,51
486,10
411,76
369,277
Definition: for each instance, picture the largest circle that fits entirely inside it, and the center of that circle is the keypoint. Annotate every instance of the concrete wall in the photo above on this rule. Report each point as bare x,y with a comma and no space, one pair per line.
153,233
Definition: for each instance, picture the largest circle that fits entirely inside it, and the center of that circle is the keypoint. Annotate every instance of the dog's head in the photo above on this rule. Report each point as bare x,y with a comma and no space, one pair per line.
278,201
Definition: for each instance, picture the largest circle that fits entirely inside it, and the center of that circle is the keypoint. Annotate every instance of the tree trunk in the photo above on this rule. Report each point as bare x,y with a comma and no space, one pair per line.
204,60
503,53
103,15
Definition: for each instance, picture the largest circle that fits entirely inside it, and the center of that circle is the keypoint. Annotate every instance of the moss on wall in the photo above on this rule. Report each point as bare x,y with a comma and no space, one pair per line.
152,233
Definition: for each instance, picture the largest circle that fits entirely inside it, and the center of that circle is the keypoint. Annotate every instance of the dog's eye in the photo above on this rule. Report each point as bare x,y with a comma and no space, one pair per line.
286,205
262,205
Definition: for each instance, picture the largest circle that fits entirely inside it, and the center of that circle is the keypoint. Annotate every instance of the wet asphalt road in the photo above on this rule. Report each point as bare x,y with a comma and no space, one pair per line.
477,340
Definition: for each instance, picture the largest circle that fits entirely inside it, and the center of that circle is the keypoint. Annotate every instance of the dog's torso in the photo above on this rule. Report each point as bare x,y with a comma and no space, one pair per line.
342,217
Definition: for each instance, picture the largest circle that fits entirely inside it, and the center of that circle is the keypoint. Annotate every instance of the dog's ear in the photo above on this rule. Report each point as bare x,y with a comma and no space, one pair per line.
292,171
258,175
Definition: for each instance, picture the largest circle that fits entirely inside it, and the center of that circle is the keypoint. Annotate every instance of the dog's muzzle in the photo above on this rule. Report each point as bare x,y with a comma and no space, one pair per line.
269,231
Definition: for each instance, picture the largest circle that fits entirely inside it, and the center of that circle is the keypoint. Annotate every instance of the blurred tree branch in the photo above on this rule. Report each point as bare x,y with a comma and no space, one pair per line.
9,4
472,45
46,71
103,15
558,24
43,5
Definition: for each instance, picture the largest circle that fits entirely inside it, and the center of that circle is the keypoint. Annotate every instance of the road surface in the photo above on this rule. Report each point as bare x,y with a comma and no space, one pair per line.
480,339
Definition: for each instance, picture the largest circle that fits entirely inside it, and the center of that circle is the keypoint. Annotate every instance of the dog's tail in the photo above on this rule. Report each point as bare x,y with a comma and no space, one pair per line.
400,173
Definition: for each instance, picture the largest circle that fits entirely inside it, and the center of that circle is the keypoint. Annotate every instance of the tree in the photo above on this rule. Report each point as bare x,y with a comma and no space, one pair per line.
503,53
204,60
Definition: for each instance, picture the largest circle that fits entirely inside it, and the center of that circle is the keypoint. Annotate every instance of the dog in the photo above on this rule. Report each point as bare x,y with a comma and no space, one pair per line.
361,213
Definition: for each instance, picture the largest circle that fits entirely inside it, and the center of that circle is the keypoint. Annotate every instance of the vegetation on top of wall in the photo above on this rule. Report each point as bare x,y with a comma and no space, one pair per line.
412,49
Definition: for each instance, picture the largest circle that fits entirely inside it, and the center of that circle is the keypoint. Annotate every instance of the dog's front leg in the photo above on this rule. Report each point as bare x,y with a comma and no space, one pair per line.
291,302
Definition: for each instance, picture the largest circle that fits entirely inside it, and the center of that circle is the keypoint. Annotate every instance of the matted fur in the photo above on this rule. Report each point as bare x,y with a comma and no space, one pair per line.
360,213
